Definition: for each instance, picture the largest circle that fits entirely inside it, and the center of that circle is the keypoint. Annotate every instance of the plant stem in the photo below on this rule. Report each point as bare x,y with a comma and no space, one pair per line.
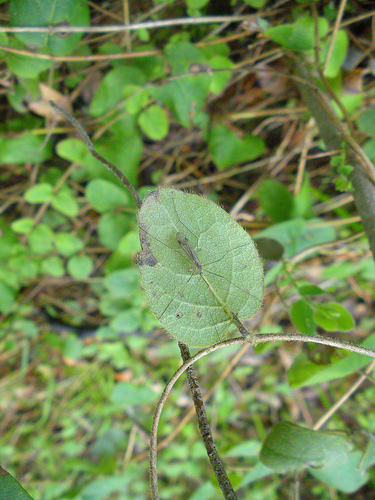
205,429
96,155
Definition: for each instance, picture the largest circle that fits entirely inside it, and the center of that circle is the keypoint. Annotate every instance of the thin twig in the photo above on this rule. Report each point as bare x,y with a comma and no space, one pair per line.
257,339
205,428
96,155
161,23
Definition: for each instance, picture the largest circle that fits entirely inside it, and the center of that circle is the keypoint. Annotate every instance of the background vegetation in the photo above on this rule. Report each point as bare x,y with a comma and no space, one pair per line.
216,109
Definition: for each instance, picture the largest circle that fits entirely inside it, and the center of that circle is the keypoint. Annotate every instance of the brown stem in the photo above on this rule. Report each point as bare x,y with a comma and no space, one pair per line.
96,155
336,135
205,429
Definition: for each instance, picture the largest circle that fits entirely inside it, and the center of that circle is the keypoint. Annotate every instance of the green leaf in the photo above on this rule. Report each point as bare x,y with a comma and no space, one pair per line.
333,316
300,35
220,78
64,202
127,321
228,149
275,200
308,290
111,89
105,196
10,488
290,447
303,372
366,122
73,150
53,266
296,235
50,13
23,225
256,4
40,193
80,266
182,55
196,308
127,394
111,229
67,244
302,317
338,54
344,475
154,122
7,297
122,283
41,239
26,66
136,98
24,148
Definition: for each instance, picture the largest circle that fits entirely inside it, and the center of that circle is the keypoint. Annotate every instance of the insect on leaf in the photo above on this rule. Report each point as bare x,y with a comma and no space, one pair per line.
200,270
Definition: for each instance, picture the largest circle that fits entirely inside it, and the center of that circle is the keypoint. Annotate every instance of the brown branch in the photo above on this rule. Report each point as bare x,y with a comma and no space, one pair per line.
205,429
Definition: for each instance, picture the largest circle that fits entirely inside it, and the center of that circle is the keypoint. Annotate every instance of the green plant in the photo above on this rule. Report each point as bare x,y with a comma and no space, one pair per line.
76,228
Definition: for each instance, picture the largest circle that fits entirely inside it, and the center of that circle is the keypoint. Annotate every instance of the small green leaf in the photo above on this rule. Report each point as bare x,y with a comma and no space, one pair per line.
110,91
338,54
40,193
80,266
67,244
366,121
302,317
297,234
308,290
10,488
333,316
64,202
111,229
275,200
303,372
300,35
105,196
53,266
136,98
26,66
7,297
127,321
220,78
290,447
41,239
73,150
256,4
154,122
23,225
228,149
181,55
344,475
24,148
122,283
127,394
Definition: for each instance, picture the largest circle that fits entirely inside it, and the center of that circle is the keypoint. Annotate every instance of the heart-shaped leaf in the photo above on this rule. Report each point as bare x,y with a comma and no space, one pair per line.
200,270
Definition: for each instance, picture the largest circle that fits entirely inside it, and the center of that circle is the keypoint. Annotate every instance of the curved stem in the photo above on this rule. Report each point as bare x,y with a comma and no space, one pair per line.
257,339
96,155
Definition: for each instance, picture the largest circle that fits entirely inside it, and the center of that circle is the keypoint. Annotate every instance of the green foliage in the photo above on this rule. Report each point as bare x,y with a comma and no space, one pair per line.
49,13
192,309
227,148
11,489
290,447
68,244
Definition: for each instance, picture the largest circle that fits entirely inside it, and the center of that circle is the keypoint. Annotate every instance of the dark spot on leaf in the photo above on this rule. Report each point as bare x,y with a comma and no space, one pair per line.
199,314
179,315
3,472
146,257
